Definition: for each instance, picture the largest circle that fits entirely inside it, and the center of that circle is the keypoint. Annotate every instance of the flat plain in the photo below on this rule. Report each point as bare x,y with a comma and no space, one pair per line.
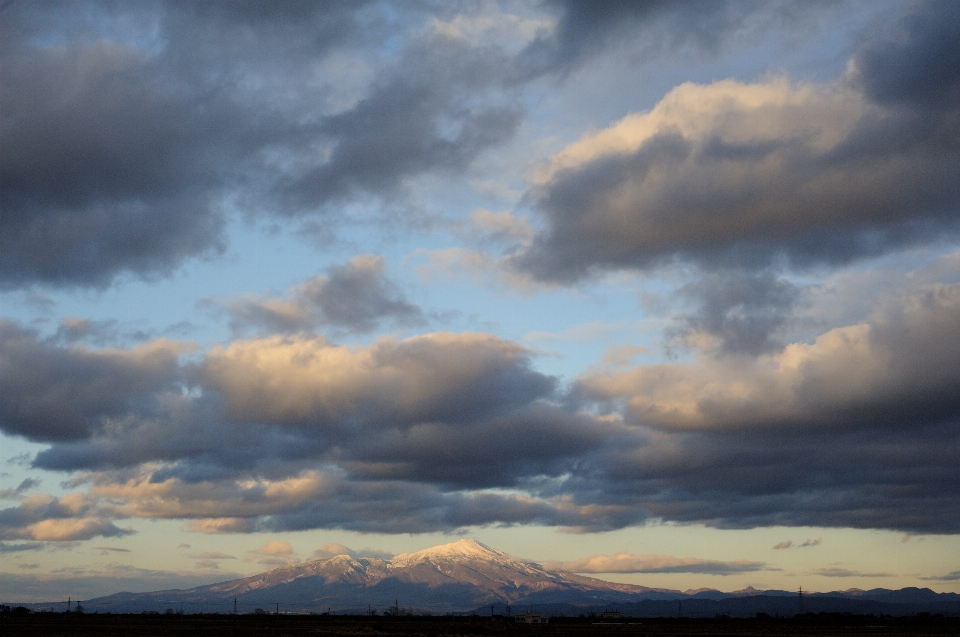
106,625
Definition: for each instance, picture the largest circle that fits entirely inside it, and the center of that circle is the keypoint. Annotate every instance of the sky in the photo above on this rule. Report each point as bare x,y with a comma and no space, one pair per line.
661,292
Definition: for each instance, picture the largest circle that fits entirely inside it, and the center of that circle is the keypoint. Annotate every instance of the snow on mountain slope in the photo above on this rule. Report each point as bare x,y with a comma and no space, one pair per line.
456,576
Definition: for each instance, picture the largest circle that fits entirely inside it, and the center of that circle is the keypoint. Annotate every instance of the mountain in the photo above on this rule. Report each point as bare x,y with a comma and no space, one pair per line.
449,578
467,576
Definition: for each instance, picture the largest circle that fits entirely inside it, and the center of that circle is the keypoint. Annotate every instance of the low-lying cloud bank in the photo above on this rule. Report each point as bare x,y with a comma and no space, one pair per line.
446,431
628,563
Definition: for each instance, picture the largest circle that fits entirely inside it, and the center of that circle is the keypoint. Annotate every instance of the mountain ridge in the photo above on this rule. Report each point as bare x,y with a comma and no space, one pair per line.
466,575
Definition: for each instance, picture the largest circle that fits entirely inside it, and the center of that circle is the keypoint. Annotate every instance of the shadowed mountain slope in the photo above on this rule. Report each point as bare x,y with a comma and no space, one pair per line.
469,576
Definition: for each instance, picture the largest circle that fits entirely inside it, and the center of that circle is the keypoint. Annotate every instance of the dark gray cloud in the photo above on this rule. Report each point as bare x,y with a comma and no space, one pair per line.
949,577
733,480
46,518
436,110
355,296
126,126
130,132
915,61
328,500
25,485
766,175
854,430
445,409
742,311
21,546
586,29
49,392
73,329
106,166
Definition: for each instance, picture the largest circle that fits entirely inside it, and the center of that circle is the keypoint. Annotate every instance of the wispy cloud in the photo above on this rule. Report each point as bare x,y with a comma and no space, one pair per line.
273,553
332,550
835,571
953,576
20,489
628,563
107,550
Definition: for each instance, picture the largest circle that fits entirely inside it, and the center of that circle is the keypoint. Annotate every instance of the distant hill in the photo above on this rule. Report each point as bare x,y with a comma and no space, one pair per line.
467,576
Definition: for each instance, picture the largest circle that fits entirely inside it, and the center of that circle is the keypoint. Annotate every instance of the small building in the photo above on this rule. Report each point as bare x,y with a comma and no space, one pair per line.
611,614
530,618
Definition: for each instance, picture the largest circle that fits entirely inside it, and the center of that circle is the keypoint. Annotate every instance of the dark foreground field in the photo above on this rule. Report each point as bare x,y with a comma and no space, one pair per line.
43,624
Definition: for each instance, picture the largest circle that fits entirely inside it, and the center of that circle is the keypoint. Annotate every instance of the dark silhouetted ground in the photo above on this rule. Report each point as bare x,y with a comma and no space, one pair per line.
73,625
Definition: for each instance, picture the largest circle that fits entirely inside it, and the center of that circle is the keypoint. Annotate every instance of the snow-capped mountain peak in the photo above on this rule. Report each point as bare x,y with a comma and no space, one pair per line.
466,549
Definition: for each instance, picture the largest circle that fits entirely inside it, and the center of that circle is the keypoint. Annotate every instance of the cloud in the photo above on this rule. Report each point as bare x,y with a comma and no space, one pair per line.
835,571
87,583
953,576
502,227
760,175
442,104
895,366
213,555
74,328
913,61
23,487
106,550
316,499
124,150
628,563
333,550
586,29
21,546
788,543
446,431
55,393
333,436
356,296
737,313
849,430
273,553
45,518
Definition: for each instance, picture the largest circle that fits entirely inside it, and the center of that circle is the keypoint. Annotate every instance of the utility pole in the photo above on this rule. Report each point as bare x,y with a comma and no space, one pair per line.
68,603
278,609
801,600
234,605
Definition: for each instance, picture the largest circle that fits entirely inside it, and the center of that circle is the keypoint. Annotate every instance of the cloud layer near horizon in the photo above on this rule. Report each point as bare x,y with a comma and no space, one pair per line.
296,432
628,563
